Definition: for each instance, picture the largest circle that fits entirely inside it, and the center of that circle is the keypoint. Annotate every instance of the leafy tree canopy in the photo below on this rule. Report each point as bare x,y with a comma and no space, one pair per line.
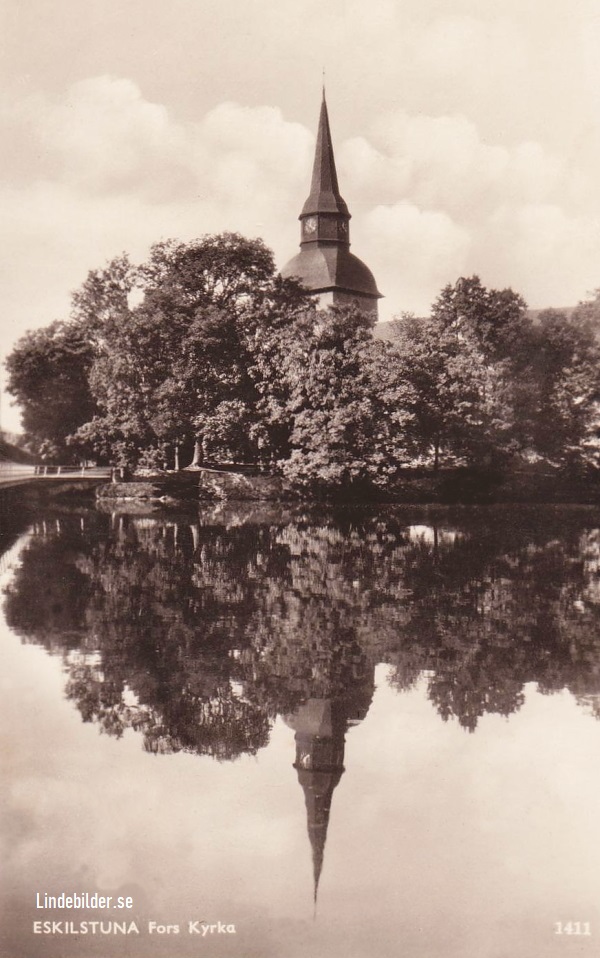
48,374
204,354
497,319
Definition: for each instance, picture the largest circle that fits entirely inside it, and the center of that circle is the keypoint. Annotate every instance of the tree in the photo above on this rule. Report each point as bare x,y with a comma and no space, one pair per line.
50,369
130,366
565,373
496,319
226,271
587,313
460,402
103,298
132,376
212,375
489,361
48,374
346,427
181,371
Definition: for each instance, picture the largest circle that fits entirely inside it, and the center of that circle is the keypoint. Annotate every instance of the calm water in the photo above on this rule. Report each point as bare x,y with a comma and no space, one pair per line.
344,734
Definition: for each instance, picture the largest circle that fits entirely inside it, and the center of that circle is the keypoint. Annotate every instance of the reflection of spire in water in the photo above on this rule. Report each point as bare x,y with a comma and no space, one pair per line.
319,762
320,725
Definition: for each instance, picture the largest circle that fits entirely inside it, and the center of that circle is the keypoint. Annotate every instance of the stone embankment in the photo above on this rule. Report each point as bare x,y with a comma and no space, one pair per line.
208,485
458,486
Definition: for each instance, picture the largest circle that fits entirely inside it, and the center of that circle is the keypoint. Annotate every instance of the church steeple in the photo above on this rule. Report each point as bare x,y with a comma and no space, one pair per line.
325,264
324,194
324,216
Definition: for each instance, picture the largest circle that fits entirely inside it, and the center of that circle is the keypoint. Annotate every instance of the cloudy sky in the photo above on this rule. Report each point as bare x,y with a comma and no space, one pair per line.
467,137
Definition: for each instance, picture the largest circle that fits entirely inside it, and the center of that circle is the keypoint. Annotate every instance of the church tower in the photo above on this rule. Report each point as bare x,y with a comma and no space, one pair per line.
325,264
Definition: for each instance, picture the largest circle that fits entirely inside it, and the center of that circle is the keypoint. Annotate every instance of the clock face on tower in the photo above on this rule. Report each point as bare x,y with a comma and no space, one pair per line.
310,224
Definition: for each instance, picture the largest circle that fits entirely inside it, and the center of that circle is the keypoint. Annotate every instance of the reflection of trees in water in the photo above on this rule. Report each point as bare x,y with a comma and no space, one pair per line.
14,519
507,609
203,630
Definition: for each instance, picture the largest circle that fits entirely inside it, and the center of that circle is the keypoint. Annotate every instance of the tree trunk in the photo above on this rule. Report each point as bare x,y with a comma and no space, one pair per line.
177,466
195,536
436,455
198,453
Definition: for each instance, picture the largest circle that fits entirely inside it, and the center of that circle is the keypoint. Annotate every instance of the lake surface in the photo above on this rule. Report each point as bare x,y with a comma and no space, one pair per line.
342,733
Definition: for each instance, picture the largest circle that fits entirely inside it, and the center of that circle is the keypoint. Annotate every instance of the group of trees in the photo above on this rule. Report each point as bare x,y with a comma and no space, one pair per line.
491,384
203,353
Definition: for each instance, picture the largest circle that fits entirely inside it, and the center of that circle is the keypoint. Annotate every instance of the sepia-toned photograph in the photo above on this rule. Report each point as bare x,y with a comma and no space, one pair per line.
300,479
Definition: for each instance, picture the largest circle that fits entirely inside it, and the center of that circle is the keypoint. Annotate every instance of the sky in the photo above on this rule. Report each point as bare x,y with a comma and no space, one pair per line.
467,139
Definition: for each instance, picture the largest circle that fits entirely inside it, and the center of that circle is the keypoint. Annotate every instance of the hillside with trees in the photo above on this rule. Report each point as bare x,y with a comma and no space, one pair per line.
203,354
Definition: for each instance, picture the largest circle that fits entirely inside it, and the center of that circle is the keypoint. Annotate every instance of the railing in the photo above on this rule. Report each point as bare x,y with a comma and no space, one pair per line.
12,472
15,470
73,471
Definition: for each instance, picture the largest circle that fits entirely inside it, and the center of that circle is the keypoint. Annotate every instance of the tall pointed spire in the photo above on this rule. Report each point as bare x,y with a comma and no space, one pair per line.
324,194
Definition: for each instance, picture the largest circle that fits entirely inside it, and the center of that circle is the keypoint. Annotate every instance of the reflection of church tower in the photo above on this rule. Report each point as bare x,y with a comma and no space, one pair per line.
325,264
321,725
320,731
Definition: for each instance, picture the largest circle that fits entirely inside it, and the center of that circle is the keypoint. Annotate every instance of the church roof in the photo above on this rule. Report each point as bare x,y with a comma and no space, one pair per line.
324,194
322,268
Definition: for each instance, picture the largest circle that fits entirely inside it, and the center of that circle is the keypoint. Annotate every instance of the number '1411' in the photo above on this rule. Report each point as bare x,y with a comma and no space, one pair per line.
572,928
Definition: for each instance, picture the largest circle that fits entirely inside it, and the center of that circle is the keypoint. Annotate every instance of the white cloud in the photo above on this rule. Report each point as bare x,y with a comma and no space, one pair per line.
548,255
442,161
116,172
455,46
280,148
419,251
440,201
105,132
104,136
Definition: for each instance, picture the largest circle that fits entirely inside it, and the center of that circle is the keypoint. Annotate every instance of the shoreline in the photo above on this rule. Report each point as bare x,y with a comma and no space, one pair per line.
451,488
211,486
